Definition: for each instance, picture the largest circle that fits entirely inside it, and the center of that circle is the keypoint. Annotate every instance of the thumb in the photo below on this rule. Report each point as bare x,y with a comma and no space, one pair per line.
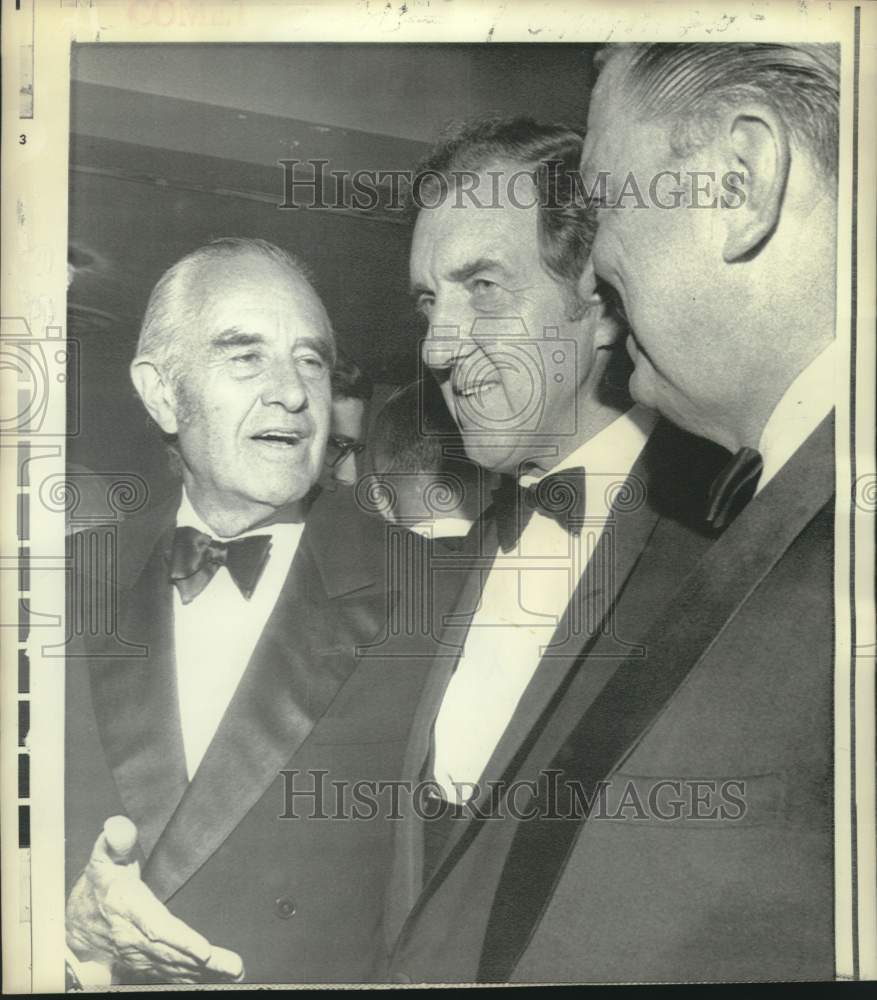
116,843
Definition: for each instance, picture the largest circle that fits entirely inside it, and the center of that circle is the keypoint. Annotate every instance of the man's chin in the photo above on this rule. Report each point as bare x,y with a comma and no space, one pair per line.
642,383
650,390
284,495
491,455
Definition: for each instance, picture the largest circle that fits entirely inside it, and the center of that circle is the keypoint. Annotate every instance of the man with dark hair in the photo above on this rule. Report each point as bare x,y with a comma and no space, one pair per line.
707,850
546,156
227,688
352,391
597,518
429,486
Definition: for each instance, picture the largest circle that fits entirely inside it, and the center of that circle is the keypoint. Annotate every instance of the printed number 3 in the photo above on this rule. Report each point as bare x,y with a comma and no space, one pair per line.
22,139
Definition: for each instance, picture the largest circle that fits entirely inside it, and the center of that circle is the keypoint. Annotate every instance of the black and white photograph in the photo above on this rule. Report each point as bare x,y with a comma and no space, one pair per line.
440,481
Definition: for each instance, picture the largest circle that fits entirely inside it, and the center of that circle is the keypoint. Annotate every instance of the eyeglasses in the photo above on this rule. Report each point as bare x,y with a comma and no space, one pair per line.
338,448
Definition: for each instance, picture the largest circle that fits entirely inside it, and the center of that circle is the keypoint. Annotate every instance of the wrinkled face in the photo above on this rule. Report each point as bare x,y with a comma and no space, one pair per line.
509,360
659,259
252,403
348,427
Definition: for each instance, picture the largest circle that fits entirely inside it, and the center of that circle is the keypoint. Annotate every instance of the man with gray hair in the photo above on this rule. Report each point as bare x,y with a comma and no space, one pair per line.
717,863
233,668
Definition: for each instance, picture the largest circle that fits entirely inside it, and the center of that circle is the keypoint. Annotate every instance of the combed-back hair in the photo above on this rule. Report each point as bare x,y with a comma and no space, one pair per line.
689,83
416,431
172,306
349,381
551,153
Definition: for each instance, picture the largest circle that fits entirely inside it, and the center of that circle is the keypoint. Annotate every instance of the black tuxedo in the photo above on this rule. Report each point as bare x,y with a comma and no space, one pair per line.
745,631
654,537
298,898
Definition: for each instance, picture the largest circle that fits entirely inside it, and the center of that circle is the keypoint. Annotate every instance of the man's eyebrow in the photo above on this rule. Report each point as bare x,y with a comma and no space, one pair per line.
468,271
236,337
322,346
464,273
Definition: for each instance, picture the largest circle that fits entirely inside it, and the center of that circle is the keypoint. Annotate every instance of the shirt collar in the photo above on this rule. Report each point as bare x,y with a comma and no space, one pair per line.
612,451
442,527
802,407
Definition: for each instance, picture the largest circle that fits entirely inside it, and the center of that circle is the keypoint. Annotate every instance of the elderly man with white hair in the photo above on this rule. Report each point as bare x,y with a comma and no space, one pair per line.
204,729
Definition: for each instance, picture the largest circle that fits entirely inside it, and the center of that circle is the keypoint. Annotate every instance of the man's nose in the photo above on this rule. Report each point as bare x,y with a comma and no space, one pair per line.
448,339
286,387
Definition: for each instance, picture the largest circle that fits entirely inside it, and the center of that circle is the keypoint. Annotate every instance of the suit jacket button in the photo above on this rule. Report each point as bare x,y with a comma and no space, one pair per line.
284,907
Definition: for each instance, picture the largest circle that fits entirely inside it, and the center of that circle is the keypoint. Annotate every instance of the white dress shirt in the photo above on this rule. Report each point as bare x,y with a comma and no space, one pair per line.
803,406
442,527
524,598
215,635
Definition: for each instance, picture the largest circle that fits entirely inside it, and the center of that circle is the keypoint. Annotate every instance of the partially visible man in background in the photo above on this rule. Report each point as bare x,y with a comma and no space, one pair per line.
243,603
430,486
352,391
731,300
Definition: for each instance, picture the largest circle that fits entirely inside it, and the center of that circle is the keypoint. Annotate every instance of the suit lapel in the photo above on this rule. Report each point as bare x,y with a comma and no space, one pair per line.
626,535
605,575
728,555
302,660
623,540
668,482
462,575
135,702
617,720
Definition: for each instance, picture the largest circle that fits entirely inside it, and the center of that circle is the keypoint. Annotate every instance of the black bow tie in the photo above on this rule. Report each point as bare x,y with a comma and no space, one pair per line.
196,557
734,487
560,496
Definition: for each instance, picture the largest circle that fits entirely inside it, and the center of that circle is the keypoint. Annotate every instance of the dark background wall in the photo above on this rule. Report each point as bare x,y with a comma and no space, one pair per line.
174,145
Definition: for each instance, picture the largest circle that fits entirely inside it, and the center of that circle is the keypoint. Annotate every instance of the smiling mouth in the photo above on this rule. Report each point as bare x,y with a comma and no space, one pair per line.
475,389
280,439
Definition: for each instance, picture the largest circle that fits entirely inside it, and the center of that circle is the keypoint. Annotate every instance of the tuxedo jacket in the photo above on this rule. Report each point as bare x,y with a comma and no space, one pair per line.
249,856
734,881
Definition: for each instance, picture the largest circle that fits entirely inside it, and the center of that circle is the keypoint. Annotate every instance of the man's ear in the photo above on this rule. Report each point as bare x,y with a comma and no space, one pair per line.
156,392
758,148
596,311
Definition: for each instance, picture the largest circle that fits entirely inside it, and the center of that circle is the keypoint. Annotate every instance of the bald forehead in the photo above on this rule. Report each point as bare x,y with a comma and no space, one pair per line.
249,299
610,114
248,269
615,56
611,87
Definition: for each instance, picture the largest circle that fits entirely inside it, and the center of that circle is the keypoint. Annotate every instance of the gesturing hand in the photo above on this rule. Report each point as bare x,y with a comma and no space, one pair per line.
114,917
